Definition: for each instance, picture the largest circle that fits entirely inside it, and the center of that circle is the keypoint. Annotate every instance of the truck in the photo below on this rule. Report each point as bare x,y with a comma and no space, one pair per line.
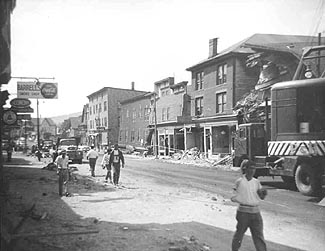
71,146
291,141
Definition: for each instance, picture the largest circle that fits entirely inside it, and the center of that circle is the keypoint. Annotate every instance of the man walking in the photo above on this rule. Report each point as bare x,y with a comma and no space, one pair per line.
62,162
249,193
115,159
92,156
105,164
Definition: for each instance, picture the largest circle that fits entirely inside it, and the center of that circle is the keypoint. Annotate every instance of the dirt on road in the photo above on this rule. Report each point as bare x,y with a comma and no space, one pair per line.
139,215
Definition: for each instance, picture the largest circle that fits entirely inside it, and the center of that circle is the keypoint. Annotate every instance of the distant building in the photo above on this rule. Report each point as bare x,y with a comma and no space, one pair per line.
134,121
48,129
104,110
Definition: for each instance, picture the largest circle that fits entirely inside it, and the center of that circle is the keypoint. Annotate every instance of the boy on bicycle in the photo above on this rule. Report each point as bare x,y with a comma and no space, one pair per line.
62,162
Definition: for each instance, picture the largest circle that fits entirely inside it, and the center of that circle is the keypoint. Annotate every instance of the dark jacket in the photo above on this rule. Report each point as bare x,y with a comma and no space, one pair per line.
120,156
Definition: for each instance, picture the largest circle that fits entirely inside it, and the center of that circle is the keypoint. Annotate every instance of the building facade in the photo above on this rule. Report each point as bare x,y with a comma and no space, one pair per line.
134,121
220,81
103,116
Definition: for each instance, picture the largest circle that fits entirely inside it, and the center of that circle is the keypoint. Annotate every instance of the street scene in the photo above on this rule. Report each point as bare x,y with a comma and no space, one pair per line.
162,125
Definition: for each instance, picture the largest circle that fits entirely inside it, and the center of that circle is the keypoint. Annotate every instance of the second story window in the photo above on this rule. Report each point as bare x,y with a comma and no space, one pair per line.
222,74
168,113
198,106
105,105
100,108
90,110
199,80
163,114
221,102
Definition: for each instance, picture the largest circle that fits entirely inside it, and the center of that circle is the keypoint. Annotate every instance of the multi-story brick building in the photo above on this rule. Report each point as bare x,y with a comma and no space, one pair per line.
103,119
221,80
134,121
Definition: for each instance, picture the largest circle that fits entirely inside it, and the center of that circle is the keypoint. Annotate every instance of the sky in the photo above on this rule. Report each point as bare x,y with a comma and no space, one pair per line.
86,45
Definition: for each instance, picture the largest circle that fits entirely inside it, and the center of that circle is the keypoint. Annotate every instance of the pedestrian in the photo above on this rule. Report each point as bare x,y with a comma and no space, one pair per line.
62,162
38,154
248,193
92,156
115,159
105,164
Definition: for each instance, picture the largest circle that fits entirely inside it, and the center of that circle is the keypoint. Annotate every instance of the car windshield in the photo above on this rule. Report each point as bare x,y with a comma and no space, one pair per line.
67,142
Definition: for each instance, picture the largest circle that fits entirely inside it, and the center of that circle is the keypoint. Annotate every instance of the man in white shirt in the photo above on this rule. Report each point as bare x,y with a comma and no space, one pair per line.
249,193
92,156
62,162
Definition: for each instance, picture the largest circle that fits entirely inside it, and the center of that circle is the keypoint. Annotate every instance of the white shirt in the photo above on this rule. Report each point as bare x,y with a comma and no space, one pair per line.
92,154
246,191
62,162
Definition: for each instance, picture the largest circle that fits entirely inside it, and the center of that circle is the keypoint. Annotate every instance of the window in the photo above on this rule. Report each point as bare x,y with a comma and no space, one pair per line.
134,115
100,108
222,74
127,113
126,136
168,113
132,136
163,114
96,108
221,102
199,80
120,136
90,110
105,105
198,106
105,121
146,113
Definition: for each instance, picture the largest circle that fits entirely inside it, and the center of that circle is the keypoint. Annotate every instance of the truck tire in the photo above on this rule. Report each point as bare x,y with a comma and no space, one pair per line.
306,180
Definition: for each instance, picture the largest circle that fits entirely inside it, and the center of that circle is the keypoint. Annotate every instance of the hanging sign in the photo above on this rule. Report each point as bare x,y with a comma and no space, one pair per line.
37,90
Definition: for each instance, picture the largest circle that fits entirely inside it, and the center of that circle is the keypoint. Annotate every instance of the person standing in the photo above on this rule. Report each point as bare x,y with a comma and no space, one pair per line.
248,194
92,156
105,164
116,158
62,162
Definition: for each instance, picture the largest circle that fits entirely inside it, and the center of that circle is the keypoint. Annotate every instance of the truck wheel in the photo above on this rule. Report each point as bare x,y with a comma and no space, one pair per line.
306,181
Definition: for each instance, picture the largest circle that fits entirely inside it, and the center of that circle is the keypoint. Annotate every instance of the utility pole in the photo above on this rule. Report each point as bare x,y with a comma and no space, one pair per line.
156,132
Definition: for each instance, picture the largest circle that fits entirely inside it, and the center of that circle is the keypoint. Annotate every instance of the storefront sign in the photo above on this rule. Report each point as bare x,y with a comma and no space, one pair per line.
37,90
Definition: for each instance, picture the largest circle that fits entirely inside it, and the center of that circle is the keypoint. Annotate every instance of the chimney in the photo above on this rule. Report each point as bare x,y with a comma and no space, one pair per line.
132,86
213,47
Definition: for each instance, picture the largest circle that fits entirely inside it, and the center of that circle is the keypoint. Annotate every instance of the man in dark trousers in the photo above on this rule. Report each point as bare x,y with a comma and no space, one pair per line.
115,159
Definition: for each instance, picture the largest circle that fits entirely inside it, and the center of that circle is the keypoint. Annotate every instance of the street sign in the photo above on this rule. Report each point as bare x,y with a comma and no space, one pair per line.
23,110
9,117
24,116
37,90
20,103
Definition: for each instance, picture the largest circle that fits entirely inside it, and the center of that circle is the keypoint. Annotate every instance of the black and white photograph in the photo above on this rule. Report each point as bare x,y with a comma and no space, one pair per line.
162,125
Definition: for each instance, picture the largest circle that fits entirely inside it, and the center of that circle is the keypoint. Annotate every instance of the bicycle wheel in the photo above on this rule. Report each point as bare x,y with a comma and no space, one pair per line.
60,182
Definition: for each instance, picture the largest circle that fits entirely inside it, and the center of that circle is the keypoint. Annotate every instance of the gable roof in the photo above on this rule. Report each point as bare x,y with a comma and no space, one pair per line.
285,43
49,121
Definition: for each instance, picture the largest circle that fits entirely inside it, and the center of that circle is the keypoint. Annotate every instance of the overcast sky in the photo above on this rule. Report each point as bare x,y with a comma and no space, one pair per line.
89,44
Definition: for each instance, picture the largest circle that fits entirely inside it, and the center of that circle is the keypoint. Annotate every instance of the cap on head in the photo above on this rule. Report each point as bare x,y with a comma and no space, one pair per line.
115,146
